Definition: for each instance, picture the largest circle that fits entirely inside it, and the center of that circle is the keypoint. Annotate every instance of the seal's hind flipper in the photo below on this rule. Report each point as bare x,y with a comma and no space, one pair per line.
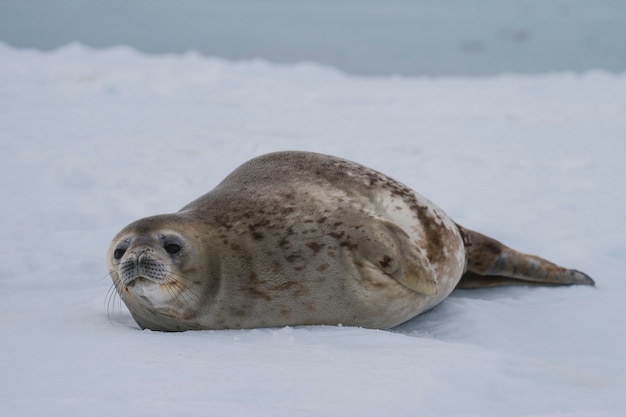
471,280
490,264
390,250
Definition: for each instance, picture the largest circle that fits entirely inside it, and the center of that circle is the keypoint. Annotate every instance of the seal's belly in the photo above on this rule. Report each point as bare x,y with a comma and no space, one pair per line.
350,292
332,273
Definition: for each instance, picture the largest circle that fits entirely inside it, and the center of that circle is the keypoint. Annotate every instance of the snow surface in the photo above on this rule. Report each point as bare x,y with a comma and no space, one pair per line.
91,140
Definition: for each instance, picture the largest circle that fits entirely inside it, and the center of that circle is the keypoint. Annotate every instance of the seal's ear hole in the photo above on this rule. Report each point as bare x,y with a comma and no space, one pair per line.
118,253
172,248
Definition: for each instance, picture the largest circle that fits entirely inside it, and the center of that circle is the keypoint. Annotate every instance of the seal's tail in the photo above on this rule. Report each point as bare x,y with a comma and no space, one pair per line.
492,264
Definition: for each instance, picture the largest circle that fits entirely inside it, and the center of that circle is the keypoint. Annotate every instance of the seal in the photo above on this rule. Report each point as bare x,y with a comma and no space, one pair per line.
298,238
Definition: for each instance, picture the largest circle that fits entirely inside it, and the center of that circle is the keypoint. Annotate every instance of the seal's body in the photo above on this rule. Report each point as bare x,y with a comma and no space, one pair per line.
295,238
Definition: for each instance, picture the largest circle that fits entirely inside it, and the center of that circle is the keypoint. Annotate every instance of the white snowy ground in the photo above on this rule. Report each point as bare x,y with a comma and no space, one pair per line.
91,140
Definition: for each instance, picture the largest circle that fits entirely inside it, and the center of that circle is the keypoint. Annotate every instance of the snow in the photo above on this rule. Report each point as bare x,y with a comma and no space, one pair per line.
93,139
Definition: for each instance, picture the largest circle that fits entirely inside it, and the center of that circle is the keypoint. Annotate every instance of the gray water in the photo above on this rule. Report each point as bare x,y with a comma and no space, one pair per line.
419,37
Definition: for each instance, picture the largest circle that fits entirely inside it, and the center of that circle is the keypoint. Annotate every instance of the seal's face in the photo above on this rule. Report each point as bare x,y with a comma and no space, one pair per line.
143,261
153,270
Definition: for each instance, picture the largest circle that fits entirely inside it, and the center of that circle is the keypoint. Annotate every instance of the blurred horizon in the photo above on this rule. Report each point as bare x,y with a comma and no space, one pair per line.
367,37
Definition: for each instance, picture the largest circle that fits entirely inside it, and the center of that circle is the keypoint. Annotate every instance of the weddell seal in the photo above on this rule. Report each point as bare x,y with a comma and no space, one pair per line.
297,238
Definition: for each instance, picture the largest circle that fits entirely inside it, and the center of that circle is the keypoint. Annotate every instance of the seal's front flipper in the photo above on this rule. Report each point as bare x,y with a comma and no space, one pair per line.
390,250
491,264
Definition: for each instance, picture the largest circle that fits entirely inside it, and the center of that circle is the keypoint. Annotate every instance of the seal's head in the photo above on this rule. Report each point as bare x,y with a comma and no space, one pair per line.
154,264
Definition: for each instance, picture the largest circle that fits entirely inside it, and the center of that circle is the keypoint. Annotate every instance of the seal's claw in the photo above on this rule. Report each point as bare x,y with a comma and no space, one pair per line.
580,278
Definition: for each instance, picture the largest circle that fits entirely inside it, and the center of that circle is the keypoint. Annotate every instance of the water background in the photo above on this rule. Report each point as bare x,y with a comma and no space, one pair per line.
368,37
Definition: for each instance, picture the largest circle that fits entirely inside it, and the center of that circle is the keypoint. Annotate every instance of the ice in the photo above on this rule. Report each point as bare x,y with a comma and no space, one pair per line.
93,139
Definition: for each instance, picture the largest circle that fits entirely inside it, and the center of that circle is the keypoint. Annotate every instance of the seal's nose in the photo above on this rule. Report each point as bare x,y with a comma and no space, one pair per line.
130,268
150,267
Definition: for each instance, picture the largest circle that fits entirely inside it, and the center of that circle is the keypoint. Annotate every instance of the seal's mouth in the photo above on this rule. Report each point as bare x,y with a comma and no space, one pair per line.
146,289
149,288
134,282
140,281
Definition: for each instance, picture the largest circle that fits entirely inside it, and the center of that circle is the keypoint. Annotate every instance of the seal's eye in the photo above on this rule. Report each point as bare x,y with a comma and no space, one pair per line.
118,253
172,248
